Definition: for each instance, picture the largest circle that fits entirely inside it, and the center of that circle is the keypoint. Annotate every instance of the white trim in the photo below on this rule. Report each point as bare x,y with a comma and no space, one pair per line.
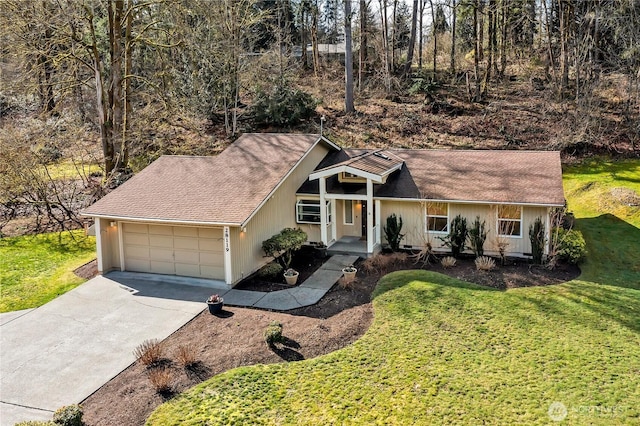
334,222
344,212
228,272
303,202
521,220
370,224
378,221
323,211
427,216
161,221
422,200
99,246
121,245
295,166
547,231
354,197
345,169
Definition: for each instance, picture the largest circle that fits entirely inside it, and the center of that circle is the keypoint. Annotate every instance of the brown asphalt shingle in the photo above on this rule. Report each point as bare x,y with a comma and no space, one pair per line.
223,189
533,177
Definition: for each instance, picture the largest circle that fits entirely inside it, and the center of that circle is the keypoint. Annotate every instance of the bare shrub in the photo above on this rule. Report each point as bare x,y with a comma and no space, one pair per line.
485,263
346,284
161,379
149,352
448,262
384,263
186,355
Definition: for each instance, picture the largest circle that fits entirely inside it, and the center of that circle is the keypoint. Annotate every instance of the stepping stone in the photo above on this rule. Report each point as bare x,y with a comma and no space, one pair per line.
243,297
281,300
322,279
307,296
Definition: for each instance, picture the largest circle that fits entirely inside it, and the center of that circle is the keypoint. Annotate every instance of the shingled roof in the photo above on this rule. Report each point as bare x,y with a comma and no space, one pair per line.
225,189
523,177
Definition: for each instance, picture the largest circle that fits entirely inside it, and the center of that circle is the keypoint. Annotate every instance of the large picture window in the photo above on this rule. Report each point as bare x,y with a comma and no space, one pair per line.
509,221
438,217
308,211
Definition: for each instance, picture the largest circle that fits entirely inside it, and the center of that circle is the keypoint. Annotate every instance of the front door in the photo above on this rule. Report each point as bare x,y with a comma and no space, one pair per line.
364,220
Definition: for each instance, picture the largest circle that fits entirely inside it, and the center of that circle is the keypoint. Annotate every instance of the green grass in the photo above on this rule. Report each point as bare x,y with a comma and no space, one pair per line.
68,170
442,351
36,269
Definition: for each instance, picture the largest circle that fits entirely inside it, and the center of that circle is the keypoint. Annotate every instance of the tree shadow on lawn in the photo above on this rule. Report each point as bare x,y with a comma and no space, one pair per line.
613,247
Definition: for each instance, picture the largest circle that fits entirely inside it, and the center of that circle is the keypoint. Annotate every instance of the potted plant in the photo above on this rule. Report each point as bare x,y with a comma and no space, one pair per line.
321,249
215,304
349,273
291,276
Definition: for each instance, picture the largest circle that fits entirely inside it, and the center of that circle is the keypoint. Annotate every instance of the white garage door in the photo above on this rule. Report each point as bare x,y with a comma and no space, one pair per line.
174,250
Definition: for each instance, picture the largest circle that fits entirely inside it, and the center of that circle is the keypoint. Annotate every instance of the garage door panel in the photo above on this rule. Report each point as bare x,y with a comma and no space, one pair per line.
211,258
137,265
185,256
160,230
140,252
209,245
210,233
136,239
158,267
187,270
164,255
161,241
185,232
136,227
212,272
186,243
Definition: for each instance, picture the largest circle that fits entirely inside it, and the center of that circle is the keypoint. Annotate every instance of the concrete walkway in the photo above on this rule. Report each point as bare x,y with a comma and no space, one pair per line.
307,293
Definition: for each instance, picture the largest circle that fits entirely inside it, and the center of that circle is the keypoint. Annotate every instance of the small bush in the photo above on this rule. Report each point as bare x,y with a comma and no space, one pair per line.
571,246
448,262
477,236
485,263
282,105
186,355
392,232
538,239
69,415
161,379
273,333
457,236
149,352
271,271
282,246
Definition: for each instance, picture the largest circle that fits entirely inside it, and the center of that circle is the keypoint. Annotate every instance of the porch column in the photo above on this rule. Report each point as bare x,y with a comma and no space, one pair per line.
370,224
378,228
547,231
99,253
228,271
121,245
323,211
334,220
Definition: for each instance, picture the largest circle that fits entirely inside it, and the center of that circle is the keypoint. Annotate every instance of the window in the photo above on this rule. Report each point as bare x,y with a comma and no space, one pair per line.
348,212
308,211
438,217
510,221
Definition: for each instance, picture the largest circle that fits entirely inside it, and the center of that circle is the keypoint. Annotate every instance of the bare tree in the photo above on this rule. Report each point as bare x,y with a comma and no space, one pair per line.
348,59
412,38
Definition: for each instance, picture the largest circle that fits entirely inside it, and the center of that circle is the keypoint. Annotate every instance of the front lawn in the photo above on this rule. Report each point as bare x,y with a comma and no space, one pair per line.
443,351
37,268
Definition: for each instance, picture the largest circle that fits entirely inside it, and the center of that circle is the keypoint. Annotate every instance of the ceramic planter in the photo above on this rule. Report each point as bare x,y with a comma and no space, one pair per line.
215,308
349,274
292,279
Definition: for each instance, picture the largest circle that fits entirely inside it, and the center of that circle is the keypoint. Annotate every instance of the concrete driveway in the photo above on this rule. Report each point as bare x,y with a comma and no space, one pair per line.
60,353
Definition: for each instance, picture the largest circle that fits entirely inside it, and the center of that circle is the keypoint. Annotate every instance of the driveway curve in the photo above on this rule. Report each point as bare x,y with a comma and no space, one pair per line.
61,352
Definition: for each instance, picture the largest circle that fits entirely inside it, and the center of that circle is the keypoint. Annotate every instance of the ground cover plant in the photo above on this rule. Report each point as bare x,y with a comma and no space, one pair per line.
444,351
35,269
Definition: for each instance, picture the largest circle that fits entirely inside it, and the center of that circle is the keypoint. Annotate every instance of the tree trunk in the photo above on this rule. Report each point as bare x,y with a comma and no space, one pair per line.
314,40
435,39
503,38
476,53
348,59
385,44
412,38
362,54
453,36
115,85
420,42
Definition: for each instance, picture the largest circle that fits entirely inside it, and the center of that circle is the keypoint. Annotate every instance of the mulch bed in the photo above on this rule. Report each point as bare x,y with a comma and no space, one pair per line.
235,337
